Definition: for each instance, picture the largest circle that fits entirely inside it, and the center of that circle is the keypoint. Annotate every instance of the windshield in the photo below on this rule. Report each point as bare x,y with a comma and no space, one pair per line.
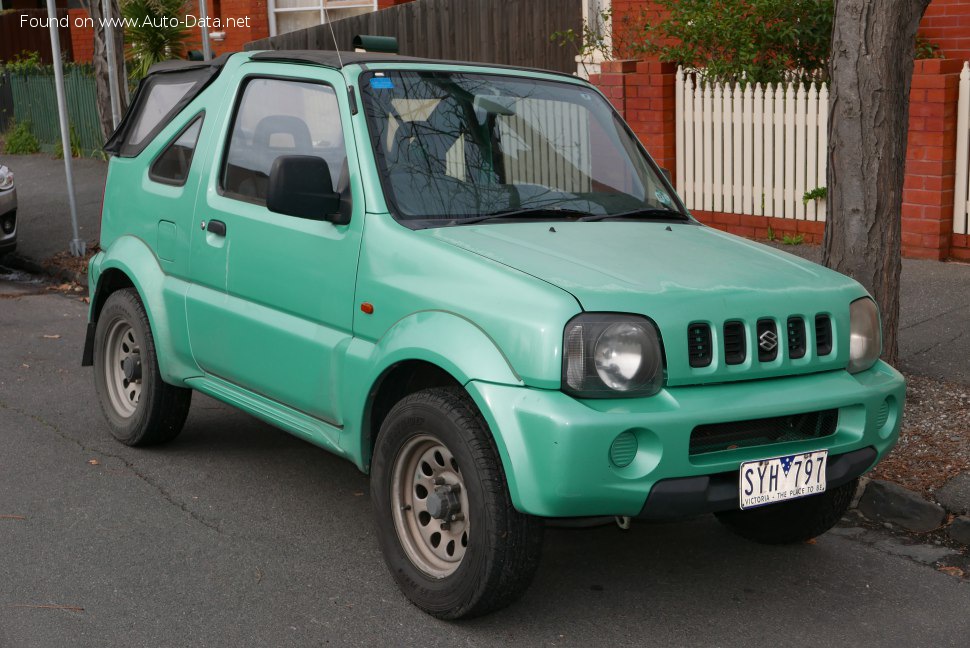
456,147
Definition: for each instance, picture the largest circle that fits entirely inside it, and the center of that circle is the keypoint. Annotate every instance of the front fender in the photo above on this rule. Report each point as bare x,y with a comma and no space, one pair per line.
162,295
449,341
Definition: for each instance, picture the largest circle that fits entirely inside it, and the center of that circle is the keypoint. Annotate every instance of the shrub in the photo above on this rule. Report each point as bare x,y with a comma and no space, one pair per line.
155,32
764,41
20,140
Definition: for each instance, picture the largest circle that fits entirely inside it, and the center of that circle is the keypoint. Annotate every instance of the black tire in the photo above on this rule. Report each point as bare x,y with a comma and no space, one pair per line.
791,522
503,545
158,412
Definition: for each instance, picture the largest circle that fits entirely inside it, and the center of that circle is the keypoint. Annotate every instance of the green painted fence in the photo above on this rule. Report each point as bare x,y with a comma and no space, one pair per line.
35,101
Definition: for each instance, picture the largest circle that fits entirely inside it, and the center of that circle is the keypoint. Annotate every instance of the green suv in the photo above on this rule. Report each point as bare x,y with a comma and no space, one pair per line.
474,283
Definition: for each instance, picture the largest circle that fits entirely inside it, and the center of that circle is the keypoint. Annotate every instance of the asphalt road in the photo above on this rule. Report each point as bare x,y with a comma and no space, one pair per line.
240,535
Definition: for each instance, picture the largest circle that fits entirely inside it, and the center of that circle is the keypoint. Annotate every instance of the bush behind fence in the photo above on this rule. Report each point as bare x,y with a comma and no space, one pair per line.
34,100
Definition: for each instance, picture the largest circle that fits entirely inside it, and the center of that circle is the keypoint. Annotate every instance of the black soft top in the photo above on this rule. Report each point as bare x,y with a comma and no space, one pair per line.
197,73
331,59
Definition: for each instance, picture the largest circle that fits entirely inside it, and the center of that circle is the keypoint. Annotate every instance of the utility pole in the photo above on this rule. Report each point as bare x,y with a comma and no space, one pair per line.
109,43
77,245
204,19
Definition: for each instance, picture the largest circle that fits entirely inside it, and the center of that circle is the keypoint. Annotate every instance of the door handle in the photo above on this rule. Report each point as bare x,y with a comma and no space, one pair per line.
217,227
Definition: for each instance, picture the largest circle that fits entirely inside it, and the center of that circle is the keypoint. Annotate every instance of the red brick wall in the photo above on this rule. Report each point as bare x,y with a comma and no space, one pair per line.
82,38
931,159
947,23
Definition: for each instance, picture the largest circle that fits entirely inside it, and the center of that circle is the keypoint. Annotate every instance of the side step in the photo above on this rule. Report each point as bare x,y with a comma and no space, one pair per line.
318,432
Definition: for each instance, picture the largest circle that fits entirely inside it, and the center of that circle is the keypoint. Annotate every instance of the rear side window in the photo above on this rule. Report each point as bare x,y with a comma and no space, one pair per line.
172,166
278,117
161,96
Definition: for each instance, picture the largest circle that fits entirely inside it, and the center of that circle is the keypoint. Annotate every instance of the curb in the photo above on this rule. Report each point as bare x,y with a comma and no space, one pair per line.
884,501
18,262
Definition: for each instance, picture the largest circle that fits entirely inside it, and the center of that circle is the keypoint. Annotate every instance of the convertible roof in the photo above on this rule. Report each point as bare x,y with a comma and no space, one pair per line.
331,59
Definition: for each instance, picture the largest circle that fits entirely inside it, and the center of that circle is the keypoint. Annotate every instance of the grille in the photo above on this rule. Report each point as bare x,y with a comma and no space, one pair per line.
796,337
699,338
767,340
734,346
823,335
755,432
790,335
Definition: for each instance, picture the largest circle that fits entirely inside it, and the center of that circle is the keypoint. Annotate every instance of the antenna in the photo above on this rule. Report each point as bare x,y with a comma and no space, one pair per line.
336,47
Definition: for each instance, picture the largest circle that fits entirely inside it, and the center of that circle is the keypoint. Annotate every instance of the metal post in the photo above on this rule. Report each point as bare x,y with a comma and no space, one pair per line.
109,41
204,19
77,245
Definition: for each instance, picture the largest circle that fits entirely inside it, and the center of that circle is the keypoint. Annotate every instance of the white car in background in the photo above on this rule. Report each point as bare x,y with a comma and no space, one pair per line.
8,211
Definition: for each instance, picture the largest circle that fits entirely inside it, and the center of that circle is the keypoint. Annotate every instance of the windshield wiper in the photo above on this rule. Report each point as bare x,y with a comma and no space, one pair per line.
528,212
659,213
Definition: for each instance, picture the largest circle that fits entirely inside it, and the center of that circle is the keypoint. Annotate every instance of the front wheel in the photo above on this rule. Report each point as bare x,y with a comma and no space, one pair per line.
140,407
795,521
445,521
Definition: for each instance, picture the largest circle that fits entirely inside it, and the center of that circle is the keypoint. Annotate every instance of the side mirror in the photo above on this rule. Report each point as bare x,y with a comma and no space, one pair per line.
300,185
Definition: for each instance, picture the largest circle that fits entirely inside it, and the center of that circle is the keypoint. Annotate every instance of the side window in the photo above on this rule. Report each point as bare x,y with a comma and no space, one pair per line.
172,166
277,117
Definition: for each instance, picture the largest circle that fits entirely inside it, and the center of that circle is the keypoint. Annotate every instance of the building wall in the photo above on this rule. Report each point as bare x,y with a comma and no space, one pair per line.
947,23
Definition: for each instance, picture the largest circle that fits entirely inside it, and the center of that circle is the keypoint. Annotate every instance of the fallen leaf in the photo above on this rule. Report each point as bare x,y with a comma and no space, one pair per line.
358,493
94,462
25,365
952,571
811,541
52,337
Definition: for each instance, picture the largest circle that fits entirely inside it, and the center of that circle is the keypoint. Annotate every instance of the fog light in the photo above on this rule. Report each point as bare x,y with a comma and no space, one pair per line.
624,449
8,224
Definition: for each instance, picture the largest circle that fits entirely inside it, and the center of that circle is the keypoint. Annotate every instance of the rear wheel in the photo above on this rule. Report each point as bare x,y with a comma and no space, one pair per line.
795,521
446,525
140,407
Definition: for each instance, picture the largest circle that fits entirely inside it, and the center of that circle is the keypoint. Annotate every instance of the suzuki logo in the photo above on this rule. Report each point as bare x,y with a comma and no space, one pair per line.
768,341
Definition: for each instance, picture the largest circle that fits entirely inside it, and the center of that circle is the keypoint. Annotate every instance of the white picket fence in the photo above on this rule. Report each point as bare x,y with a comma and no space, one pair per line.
751,149
961,194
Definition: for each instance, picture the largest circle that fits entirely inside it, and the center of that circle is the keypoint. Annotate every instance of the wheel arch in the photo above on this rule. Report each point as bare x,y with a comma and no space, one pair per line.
130,263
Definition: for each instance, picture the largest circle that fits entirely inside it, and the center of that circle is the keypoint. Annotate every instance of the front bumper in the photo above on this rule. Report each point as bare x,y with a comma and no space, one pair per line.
556,449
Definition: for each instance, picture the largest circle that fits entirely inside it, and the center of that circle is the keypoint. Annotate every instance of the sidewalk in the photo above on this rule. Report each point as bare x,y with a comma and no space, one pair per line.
934,318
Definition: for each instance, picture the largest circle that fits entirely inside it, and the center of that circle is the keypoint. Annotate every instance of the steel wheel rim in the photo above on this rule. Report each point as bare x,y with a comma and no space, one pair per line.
121,344
435,546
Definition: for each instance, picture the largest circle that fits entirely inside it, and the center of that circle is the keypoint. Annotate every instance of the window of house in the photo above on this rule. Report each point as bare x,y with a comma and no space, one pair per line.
172,166
277,117
291,15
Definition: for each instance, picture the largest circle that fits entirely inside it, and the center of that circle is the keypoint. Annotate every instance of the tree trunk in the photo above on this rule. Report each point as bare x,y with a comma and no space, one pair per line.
100,60
871,70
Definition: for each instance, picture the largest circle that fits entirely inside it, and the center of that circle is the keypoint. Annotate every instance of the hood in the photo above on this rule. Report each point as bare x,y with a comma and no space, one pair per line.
675,274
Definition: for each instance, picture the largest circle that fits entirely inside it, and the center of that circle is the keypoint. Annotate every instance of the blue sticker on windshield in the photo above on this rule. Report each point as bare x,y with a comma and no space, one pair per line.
662,197
381,83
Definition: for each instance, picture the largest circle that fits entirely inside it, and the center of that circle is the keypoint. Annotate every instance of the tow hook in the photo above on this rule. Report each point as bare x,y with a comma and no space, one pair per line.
623,521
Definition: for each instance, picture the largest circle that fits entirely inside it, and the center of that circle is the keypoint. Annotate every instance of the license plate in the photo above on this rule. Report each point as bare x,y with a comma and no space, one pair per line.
769,481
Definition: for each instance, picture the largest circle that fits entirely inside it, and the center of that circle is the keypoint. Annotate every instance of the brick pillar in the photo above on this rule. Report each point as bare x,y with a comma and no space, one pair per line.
643,93
651,111
931,159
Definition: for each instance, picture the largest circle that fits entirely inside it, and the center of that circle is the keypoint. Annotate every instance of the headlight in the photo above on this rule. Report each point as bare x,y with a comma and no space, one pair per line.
6,178
865,341
607,355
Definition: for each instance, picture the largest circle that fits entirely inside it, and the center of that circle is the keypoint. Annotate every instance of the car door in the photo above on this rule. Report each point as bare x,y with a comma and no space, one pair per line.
272,295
